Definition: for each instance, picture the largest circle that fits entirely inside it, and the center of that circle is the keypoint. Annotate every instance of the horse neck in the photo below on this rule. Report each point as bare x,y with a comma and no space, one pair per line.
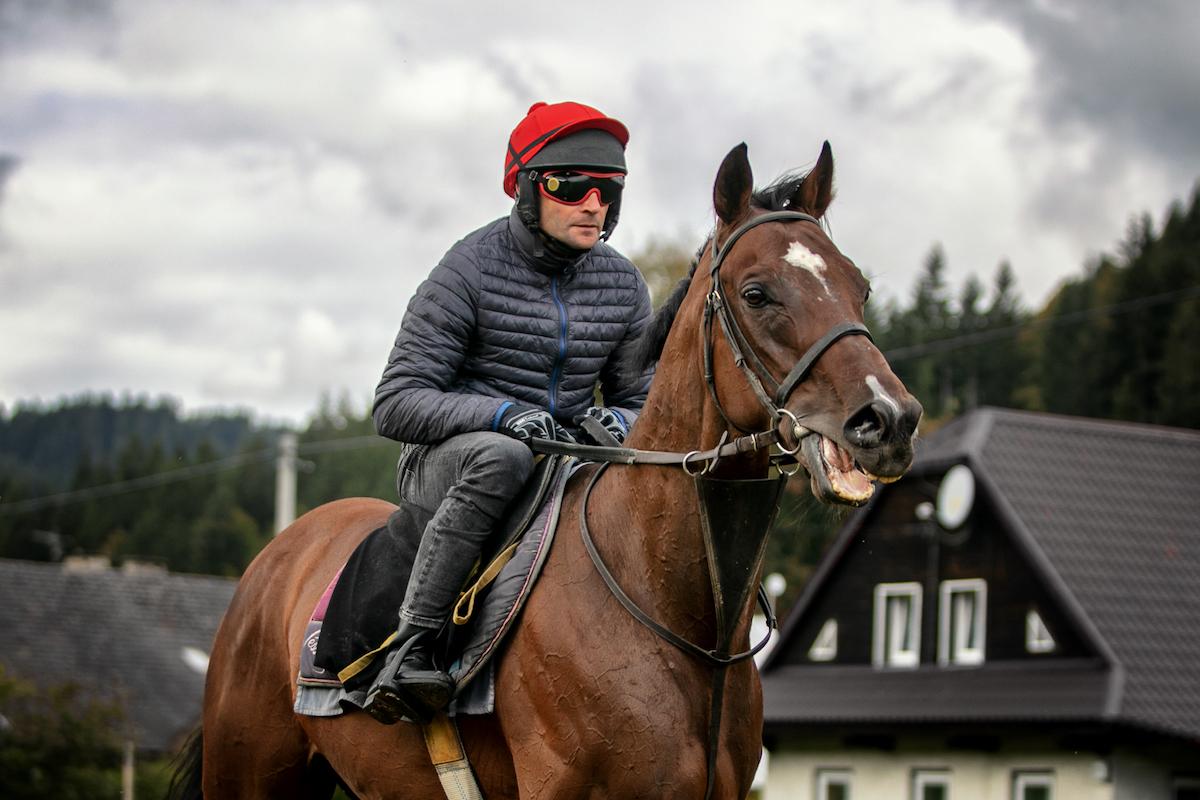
654,529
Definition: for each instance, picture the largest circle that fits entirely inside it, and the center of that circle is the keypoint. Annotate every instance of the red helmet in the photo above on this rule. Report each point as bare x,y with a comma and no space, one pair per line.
545,123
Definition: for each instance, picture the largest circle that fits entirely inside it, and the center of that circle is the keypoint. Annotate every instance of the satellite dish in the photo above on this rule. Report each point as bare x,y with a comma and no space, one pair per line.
955,496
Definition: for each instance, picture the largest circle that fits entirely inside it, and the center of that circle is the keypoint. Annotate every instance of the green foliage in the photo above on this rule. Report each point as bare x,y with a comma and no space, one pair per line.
57,743
662,263
151,779
955,355
213,521
1118,343
53,441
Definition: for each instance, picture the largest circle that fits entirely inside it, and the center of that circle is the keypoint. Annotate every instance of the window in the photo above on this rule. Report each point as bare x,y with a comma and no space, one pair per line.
897,635
931,784
1037,635
1033,786
962,624
833,784
824,647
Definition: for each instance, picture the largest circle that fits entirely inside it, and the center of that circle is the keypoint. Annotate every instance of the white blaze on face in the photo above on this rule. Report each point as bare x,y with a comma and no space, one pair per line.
882,396
800,256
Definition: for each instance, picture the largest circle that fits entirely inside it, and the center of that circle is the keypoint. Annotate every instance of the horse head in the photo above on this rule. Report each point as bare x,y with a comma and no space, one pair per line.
793,323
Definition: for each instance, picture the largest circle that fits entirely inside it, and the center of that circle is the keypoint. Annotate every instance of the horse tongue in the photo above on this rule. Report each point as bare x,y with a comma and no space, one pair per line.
832,473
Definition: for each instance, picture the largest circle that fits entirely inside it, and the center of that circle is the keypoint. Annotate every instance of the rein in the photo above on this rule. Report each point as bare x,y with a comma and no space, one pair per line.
713,657
627,455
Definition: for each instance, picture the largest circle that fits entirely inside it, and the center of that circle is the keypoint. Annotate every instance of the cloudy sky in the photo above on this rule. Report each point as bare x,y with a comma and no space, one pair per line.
231,201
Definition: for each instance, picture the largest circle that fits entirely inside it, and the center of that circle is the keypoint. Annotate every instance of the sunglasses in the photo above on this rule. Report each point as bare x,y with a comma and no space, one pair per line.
572,188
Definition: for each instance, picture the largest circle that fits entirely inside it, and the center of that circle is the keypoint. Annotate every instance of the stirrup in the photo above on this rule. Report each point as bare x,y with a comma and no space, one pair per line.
418,695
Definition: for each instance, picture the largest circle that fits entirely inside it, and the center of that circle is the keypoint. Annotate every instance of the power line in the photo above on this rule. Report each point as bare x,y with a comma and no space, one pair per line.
180,474
898,354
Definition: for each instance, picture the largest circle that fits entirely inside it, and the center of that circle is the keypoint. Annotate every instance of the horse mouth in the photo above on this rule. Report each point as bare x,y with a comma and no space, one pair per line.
834,474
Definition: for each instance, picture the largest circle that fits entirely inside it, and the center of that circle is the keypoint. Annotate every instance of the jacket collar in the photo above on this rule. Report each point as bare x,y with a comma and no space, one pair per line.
549,258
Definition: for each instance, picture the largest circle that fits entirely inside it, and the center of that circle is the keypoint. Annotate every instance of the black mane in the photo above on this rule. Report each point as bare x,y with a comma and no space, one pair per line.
775,197
778,195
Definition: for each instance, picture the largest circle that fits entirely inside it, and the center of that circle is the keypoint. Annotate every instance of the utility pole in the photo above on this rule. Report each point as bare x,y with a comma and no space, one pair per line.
127,771
285,482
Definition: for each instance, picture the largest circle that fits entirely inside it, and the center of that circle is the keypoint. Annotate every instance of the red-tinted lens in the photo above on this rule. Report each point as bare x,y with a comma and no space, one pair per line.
574,187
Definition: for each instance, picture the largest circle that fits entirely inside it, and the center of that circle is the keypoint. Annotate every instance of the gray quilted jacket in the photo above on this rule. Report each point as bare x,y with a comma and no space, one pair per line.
499,323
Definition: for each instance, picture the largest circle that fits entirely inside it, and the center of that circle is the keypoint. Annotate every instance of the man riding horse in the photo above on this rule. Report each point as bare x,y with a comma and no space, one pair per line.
504,342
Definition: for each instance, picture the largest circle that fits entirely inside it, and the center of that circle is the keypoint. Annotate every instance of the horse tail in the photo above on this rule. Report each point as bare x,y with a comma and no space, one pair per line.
186,770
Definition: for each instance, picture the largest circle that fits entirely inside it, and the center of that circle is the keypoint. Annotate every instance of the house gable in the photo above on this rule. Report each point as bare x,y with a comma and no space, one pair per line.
1089,524
890,545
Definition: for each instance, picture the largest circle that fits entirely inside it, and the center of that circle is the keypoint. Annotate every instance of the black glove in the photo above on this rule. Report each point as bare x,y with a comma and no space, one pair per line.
610,420
531,423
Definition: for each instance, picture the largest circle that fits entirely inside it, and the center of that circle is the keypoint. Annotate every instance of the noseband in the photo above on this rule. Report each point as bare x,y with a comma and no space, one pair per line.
753,368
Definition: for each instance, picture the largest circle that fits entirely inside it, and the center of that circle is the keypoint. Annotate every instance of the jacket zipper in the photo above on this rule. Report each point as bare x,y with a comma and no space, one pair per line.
556,373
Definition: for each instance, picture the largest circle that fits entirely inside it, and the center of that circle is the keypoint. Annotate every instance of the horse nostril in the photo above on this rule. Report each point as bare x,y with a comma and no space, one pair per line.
868,426
909,420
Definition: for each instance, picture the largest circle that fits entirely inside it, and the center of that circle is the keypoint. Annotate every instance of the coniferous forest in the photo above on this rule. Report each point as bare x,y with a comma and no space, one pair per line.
133,478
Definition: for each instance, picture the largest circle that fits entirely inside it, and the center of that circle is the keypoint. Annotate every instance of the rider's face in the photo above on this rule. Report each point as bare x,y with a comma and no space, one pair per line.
579,225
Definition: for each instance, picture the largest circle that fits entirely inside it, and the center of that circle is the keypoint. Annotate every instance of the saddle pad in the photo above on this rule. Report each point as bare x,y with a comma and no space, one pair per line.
319,693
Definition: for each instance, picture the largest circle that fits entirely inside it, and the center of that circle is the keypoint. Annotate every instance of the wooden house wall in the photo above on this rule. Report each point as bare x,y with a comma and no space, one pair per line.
892,546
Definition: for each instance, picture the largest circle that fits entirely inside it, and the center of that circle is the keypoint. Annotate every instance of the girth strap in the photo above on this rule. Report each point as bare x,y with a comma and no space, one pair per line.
450,759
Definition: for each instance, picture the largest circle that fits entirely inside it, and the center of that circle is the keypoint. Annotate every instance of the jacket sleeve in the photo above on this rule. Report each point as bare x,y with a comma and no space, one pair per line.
413,402
623,384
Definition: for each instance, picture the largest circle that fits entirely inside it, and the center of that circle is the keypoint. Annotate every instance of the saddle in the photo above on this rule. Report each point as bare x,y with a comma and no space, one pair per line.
352,625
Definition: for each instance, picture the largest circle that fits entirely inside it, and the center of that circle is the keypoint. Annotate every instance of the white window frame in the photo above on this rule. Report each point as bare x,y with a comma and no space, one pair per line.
885,650
824,646
829,777
1038,638
951,625
1031,779
923,778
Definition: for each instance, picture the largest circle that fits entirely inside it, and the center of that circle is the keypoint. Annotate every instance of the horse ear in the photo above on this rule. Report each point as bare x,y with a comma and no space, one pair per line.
815,193
731,192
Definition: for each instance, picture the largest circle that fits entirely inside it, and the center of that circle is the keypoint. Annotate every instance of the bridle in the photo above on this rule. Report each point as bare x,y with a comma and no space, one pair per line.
757,375
700,462
744,356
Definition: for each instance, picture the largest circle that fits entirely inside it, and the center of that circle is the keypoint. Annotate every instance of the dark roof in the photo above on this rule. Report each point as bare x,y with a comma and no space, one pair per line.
992,693
1109,514
119,633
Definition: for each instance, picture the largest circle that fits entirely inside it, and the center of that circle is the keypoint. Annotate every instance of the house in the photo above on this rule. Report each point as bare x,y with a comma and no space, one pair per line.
1018,618
139,635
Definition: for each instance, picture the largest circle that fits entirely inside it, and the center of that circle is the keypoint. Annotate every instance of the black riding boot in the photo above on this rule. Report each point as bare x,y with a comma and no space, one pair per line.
409,684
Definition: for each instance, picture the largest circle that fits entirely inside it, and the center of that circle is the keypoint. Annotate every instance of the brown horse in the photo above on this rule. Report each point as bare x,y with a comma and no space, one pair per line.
589,702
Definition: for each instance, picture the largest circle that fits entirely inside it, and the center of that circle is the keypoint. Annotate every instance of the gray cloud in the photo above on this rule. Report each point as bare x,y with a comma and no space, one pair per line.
8,165
233,202
77,22
1127,70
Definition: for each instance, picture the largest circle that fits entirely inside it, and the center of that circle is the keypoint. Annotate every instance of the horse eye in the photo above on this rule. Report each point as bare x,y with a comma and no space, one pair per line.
754,297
